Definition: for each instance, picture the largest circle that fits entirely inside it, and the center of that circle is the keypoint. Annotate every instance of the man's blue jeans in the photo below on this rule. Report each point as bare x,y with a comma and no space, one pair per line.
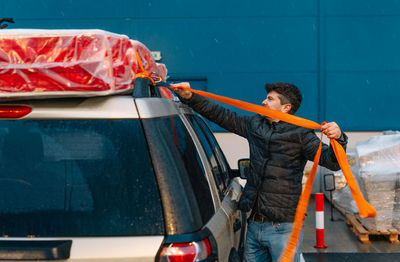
267,241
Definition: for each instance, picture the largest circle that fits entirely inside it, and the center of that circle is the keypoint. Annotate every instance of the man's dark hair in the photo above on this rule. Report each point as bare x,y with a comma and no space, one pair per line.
289,94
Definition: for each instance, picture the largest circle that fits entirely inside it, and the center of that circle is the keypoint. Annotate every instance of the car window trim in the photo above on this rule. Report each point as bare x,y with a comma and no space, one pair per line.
222,165
203,159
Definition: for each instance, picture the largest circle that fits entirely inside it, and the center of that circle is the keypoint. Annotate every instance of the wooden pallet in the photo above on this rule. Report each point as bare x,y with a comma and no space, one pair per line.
363,233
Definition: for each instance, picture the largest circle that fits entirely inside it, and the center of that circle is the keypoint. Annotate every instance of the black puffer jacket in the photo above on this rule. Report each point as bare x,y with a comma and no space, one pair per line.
278,154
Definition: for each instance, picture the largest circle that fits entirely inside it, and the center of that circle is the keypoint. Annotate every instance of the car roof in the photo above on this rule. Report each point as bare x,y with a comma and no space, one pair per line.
106,107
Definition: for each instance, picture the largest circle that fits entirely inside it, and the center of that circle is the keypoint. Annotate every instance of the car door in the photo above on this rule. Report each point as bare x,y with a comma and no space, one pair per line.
226,224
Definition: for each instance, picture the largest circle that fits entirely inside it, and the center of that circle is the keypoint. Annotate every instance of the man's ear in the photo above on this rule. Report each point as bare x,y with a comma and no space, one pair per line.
286,108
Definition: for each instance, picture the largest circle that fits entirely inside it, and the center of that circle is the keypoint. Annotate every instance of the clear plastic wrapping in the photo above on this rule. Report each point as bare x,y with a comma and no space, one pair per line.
379,172
343,200
45,63
375,164
341,196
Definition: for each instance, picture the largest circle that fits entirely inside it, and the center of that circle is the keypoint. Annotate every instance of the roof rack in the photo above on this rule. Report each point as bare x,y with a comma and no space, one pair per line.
144,87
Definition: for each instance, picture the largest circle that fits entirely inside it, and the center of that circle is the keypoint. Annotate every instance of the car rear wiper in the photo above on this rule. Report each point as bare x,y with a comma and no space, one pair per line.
35,249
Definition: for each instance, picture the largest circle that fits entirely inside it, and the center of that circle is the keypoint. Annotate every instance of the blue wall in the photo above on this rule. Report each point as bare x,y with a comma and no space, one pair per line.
344,55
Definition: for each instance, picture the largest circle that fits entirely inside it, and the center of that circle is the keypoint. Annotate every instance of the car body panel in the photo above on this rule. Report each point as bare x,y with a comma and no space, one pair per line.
117,107
222,224
155,107
143,248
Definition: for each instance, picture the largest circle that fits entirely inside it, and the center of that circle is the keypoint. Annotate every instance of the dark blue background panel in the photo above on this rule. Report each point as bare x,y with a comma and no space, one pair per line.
364,101
232,45
363,43
236,8
362,7
67,9
45,9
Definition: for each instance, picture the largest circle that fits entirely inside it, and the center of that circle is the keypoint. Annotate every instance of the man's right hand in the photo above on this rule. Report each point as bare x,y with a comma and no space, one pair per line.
182,88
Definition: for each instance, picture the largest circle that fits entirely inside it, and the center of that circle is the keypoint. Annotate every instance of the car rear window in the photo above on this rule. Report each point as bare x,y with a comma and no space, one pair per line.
77,178
173,134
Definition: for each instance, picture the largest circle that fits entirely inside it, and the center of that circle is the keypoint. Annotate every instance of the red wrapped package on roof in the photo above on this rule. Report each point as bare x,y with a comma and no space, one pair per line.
162,71
52,63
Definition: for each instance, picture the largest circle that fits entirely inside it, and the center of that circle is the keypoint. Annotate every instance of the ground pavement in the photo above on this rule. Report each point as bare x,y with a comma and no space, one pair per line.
343,245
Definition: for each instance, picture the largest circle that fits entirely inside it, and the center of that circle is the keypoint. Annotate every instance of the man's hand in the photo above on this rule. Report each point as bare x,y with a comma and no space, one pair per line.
182,88
331,130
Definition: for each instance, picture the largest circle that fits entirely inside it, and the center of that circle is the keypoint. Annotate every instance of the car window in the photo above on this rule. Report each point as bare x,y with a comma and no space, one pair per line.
214,153
217,150
176,136
77,178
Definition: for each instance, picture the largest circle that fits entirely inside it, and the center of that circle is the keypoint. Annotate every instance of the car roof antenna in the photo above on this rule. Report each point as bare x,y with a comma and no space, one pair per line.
7,20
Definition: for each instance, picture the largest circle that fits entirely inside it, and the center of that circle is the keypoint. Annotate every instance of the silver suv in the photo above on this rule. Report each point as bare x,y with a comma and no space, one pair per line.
117,178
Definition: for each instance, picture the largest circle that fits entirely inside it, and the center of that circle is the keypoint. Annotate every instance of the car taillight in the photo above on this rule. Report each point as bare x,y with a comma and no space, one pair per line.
14,111
185,252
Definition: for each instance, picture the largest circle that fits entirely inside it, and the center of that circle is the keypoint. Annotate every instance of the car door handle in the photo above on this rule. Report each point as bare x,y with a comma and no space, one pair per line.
237,225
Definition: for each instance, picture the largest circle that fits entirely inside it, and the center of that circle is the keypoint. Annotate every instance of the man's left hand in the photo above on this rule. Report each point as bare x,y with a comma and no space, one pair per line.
331,130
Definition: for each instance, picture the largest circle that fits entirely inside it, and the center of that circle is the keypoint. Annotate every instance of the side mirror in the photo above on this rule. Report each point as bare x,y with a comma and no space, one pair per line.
244,166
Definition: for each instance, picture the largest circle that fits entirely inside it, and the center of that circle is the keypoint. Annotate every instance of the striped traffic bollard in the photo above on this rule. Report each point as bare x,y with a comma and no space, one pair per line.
319,220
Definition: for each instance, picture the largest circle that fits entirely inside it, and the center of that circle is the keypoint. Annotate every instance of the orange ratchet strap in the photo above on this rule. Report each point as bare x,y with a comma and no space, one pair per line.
365,209
143,74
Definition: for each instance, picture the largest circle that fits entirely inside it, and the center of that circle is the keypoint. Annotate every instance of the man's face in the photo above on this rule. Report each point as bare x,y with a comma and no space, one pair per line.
272,101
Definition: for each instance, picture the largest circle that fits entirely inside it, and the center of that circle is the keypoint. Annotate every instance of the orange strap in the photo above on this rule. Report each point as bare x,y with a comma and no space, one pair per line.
365,209
143,73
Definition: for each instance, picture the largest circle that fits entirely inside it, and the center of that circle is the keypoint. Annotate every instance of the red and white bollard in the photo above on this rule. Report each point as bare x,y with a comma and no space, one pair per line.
319,220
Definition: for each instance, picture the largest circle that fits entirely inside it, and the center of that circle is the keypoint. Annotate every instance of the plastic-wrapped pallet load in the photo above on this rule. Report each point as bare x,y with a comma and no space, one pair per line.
375,164
53,63
378,161
341,196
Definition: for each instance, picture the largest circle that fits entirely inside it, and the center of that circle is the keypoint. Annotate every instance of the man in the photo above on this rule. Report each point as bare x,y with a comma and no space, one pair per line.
278,154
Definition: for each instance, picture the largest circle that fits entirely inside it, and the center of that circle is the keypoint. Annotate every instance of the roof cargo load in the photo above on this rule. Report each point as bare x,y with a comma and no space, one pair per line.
62,63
